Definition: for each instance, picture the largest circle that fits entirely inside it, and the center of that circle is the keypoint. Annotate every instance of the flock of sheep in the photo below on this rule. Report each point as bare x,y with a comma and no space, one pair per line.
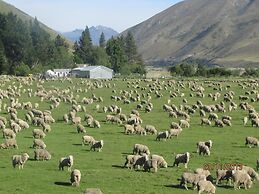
140,92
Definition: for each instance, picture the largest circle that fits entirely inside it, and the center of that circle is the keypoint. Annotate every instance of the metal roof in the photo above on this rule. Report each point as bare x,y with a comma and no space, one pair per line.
90,68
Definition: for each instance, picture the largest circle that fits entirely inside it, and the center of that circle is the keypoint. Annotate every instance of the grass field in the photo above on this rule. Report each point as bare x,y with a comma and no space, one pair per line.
104,169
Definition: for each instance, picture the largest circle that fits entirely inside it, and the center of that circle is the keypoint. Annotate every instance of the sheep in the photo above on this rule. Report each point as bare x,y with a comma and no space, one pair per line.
8,133
96,124
139,130
130,160
203,149
23,124
38,133
75,177
46,128
182,158
66,161
128,129
241,177
172,114
192,178
227,122
9,143
204,172
213,116
162,135
97,145
252,141
139,161
175,125
207,143
150,129
140,149
206,186
76,120
219,123
184,124
251,172
41,154
3,119
20,160
38,143
87,140
15,127
205,121
224,175
2,125
65,118
174,132
80,128
245,120
159,161
255,122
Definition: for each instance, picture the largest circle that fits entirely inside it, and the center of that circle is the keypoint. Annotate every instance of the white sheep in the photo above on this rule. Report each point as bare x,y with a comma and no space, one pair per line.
224,175
9,143
75,177
20,160
184,123
41,154
87,140
203,149
252,141
140,149
66,161
80,128
8,133
206,186
38,133
241,177
129,129
174,132
38,143
192,178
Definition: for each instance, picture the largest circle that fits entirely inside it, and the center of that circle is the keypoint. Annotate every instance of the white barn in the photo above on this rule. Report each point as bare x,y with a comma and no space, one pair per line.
61,72
92,72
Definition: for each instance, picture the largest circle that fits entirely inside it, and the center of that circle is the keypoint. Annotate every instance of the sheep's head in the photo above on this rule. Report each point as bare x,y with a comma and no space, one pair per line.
2,146
26,156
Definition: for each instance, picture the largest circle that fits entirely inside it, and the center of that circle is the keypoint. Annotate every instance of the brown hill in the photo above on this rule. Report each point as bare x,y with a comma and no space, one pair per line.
221,31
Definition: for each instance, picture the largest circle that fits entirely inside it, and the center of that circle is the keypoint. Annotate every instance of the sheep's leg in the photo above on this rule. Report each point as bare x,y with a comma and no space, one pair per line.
185,186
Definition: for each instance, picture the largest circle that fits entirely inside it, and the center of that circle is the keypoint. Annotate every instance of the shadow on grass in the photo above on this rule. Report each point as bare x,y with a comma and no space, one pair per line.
28,137
77,144
239,146
225,186
174,186
124,153
63,184
73,132
117,166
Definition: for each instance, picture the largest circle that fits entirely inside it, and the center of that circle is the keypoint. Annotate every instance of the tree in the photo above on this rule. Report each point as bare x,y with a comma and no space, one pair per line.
130,48
102,40
100,57
84,48
3,61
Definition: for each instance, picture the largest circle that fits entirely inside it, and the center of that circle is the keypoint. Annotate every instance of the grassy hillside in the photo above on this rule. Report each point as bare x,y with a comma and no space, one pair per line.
105,169
6,8
224,31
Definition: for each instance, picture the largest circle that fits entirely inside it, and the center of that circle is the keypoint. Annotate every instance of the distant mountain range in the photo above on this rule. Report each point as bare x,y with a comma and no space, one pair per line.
225,32
95,33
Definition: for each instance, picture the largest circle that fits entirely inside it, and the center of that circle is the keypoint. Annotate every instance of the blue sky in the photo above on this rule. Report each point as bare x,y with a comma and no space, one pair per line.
67,15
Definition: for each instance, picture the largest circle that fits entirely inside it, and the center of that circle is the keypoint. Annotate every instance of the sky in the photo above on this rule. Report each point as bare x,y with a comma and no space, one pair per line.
68,15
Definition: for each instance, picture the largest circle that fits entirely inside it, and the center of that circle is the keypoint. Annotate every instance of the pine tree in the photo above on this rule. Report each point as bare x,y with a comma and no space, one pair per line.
130,48
102,40
3,61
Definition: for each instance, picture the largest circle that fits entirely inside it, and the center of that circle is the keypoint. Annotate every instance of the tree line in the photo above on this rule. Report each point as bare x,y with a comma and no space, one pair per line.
191,70
25,47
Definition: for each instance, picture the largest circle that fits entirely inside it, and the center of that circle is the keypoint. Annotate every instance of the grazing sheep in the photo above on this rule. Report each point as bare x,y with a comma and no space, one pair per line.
97,145
203,149
158,161
150,129
206,186
20,160
3,119
252,141
130,160
65,118
245,120
80,128
46,128
96,124
41,154
191,178
184,124
38,143
139,161
227,122
162,135
139,130
75,177
205,121
2,125
241,177
87,140
66,161
251,172
38,133
224,175
174,132
140,149
9,143
219,123
213,116
182,158
129,129
9,134
175,125
76,120
207,143
255,122
204,172
15,127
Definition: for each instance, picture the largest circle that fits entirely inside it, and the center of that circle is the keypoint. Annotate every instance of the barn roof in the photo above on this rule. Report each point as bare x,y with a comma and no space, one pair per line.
90,68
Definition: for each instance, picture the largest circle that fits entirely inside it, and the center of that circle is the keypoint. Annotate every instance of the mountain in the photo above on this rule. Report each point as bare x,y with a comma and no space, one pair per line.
225,32
6,8
95,33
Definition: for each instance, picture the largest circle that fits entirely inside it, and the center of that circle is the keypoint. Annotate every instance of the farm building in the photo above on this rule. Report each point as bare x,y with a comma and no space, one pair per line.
92,72
61,72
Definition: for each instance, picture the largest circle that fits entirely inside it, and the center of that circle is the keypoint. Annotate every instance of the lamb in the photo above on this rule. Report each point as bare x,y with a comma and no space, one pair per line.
205,121
66,161
174,132
129,129
8,133
38,143
9,143
20,160
97,145
206,186
252,141
241,177
184,124
141,149
38,133
75,177
150,129
162,135
41,154
224,175
188,177
80,128
87,140
182,158
203,149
